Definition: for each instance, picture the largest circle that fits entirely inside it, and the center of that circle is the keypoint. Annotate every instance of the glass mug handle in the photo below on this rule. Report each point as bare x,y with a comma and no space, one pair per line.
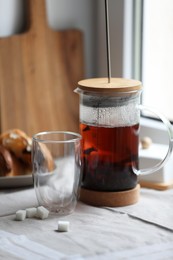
168,126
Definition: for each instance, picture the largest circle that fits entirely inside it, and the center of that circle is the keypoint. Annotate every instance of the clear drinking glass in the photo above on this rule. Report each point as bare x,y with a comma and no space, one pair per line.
56,158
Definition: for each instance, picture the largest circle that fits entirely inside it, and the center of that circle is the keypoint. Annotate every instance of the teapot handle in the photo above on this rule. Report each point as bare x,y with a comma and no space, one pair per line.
169,129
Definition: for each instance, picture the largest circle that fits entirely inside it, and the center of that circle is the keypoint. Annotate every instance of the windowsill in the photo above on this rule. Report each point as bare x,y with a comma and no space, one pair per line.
154,129
150,157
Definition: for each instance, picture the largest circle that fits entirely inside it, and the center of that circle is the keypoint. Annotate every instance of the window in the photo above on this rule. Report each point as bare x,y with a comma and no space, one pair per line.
132,51
152,59
157,56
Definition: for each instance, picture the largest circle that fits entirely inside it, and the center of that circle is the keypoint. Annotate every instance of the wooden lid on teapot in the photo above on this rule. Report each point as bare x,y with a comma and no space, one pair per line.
115,85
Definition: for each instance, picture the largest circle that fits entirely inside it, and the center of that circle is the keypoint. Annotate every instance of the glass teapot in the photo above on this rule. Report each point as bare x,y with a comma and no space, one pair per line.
109,125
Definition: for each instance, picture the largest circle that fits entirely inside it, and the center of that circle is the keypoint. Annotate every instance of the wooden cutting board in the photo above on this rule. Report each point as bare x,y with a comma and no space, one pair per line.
39,69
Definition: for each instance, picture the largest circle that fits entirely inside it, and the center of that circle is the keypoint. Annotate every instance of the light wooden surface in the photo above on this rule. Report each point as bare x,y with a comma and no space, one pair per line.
156,185
39,69
115,85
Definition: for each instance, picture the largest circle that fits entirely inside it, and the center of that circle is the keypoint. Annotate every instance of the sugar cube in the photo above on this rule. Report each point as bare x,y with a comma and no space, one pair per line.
31,212
42,212
63,226
20,215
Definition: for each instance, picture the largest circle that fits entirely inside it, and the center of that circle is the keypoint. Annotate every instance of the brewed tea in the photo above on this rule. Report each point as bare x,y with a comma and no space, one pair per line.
108,156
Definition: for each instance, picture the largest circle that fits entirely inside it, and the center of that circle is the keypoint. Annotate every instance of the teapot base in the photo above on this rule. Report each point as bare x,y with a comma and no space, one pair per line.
110,199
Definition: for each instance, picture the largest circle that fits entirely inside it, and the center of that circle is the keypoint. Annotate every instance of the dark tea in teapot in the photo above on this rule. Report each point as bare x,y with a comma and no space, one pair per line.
107,164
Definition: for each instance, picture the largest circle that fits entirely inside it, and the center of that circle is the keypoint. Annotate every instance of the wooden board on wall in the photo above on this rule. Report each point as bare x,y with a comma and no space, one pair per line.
39,69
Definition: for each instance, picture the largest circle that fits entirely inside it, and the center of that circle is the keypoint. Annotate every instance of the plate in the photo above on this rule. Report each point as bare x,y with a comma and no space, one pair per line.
16,181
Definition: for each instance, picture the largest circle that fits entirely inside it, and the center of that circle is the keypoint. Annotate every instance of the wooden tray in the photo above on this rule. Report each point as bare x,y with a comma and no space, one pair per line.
156,186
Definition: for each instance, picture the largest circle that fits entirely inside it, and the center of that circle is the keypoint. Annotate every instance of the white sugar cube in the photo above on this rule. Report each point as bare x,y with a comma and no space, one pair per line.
31,212
63,226
42,212
20,215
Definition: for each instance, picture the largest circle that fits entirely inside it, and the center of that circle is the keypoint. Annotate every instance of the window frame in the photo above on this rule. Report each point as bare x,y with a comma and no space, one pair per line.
133,33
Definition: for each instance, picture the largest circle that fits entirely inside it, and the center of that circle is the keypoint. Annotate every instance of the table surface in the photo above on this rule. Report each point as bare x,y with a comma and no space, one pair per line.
131,232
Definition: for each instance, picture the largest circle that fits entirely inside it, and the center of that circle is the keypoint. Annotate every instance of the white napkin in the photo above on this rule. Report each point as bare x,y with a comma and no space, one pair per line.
154,252
12,201
154,207
23,248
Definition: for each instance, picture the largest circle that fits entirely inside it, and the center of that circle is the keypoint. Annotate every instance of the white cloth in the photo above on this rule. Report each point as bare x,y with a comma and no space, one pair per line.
93,232
13,200
154,206
20,245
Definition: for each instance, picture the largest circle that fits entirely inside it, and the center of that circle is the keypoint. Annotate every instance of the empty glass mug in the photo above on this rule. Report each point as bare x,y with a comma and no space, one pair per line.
56,158
109,125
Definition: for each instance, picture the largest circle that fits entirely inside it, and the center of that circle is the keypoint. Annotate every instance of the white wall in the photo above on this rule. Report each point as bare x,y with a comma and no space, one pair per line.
10,17
116,24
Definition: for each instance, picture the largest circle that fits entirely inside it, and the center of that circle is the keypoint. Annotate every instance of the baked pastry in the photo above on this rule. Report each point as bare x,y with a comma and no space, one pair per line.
6,163
43,159
15,154
19,143
10,165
